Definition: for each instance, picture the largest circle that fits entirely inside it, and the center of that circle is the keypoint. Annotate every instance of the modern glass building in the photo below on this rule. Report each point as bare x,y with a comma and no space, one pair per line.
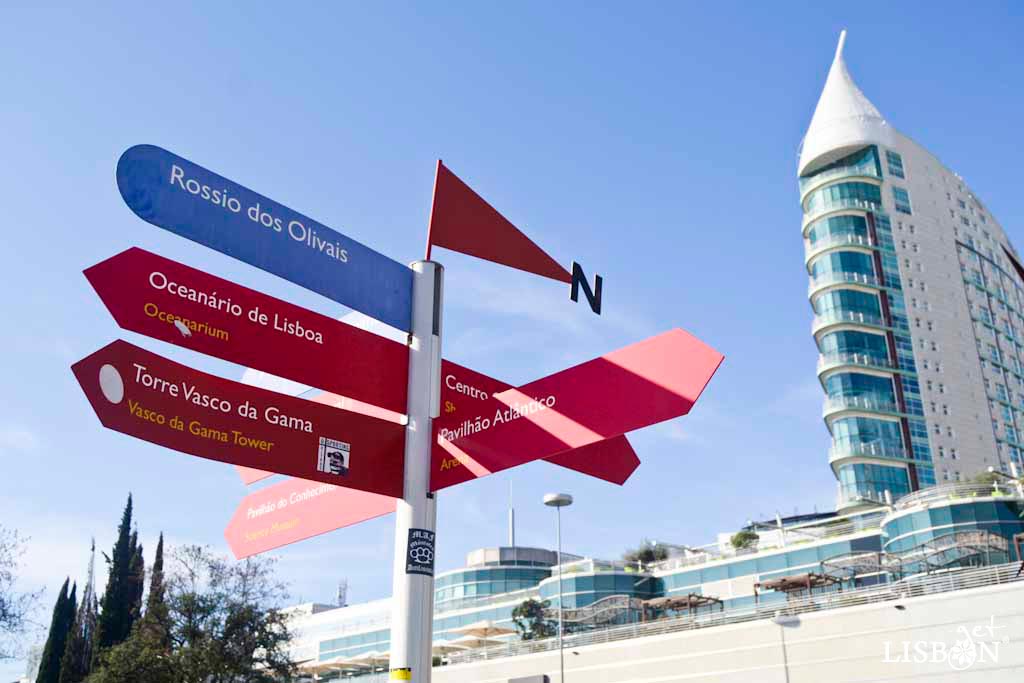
917,298
938,530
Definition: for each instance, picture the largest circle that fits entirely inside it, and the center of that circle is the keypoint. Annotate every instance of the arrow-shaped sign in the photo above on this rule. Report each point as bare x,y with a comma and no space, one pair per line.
462,389
144,395
466,395
295,510
654,380
172,302
177,195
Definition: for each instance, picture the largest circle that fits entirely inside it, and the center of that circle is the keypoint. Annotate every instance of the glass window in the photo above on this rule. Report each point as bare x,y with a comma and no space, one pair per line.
901,200
843,262
895,163
843,194
847,384
838,226
855,342
883,435
849,300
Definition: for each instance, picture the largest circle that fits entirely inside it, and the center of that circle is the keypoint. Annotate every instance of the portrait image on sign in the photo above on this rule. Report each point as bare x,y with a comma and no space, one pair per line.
332,457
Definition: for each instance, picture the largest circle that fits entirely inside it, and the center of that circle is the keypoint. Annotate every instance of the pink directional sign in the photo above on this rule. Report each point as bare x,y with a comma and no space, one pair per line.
465,392
654,380
144,395
172,302
295,510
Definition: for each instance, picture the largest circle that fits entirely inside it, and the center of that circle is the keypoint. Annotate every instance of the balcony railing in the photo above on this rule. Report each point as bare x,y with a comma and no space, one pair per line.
838,278
815,181
835,241
841,450
834,527
869,403
839,317
827,361
916,586
958,491
828,206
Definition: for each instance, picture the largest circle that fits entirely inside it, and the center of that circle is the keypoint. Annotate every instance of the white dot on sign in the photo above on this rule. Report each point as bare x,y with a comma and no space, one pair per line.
111,384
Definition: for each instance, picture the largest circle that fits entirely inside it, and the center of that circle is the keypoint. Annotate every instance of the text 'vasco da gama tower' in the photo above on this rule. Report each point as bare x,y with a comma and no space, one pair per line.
918,303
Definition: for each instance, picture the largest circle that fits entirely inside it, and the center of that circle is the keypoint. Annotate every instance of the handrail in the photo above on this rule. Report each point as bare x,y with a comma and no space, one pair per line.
838,317
846,239
864,359
840,278
847,449
946,492
808,185
863,402
828,206
912,587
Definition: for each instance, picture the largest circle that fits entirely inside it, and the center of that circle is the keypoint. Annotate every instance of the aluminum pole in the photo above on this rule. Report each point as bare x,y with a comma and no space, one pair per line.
412,610
561,652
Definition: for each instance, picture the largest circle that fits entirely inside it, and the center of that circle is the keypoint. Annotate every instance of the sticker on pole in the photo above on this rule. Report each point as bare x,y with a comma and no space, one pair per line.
419,557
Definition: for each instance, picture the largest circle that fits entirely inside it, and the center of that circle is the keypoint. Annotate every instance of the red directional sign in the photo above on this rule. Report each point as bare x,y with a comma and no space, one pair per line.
144,395
640,385
169,301
613,460
295,510
466,395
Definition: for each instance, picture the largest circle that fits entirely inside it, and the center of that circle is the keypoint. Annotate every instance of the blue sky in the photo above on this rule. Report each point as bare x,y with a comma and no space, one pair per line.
654,143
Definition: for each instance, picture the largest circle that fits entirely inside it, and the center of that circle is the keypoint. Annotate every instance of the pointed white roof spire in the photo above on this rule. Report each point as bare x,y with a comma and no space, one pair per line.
843,120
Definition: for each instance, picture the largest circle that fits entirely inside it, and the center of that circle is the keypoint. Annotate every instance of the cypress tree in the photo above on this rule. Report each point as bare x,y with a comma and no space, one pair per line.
136,581
155,622
115,615
75,665
60,628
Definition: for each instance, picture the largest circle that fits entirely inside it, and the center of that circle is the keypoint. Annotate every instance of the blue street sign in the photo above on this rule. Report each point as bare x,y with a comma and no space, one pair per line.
177,195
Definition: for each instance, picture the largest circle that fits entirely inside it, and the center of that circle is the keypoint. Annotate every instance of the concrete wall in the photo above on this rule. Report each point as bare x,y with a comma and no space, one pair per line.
837,646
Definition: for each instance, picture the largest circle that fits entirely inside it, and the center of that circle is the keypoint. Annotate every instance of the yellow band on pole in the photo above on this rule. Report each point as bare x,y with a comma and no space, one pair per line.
401,674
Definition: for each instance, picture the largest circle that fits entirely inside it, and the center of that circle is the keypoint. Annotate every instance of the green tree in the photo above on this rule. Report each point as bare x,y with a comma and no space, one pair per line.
14,605
60,628
531,620
136,580
646,553
77,661
224,625
744,539
142,658
116,606
986,478
156,619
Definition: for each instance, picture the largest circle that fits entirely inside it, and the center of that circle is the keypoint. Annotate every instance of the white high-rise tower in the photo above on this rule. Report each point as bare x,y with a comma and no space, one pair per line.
918,301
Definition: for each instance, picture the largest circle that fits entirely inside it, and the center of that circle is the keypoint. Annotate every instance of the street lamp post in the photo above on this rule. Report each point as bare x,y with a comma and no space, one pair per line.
559,501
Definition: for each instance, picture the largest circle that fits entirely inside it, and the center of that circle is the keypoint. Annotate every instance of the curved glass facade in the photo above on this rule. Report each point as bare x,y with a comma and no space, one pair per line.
582,590
843,262
454,587
871,481
855,248
853,300
838,226
843,342
908,534
834,196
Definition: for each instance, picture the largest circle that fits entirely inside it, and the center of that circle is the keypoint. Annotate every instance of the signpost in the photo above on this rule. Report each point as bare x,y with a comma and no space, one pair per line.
177,195
351,450
144,395
169,301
